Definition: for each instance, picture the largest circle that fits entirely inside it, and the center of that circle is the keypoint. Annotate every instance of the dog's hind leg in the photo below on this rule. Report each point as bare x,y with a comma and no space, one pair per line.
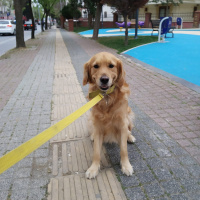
131,138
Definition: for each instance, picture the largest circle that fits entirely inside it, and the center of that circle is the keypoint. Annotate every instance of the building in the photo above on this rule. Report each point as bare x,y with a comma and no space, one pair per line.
184,10
6,11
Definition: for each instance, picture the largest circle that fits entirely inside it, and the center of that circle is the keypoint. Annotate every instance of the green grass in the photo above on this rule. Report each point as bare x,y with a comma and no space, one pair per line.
117,42
80,29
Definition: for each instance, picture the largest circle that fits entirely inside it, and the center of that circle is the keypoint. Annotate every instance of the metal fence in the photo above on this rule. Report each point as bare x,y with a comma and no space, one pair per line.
187,17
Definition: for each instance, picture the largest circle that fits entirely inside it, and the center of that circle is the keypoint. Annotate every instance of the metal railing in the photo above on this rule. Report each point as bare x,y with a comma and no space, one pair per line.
187,17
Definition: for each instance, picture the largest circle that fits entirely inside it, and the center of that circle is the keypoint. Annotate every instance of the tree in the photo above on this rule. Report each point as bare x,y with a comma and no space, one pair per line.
33,21
48,7
66,12
71,11
18,5
126,7
74,4
167,3
99,5
28,12
91,9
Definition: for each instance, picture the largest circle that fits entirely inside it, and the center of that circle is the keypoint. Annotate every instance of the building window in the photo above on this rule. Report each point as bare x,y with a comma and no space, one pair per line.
195,9
105,14
162,11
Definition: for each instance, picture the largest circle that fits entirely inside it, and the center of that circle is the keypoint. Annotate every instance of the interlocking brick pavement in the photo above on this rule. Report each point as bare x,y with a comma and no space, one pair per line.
165,156
72,150
26,111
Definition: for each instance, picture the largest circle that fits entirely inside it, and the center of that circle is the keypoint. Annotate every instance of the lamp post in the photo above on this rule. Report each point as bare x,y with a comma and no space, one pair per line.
102,17
136,24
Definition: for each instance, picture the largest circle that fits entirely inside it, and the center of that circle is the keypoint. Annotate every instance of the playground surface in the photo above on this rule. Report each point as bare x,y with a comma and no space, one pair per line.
178,57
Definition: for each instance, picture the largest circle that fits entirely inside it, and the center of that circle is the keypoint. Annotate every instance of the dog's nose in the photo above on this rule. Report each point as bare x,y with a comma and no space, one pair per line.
104,79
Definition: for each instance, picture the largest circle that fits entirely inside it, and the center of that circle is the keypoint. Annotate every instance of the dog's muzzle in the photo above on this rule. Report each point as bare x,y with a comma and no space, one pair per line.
104,80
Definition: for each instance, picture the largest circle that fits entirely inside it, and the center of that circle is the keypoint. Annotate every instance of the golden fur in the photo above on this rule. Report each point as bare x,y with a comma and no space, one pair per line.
111,119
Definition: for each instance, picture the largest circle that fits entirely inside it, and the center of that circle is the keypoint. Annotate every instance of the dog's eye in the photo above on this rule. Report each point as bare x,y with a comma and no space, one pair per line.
111,66
96,66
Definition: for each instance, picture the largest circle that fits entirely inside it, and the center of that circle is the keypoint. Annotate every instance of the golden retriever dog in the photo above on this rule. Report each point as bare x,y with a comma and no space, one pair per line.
111,118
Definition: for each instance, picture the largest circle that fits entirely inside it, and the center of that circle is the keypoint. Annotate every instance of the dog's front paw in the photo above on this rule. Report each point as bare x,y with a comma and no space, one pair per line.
127,169
92,137
131,139
92,172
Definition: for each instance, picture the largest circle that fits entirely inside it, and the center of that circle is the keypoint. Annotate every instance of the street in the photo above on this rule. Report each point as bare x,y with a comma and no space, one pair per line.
8,42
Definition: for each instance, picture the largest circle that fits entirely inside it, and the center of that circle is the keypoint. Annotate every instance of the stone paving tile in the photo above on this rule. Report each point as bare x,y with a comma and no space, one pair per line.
105,186
72,149
12,72
165,156
31,92
163,128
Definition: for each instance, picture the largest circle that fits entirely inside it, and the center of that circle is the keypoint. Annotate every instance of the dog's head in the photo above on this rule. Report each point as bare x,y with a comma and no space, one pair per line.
104,70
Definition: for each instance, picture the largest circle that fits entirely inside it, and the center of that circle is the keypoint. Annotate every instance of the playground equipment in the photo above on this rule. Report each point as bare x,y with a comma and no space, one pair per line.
164,28
140,23
179,22
122,25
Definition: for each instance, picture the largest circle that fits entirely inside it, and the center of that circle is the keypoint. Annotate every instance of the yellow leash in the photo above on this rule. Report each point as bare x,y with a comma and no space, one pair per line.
28,147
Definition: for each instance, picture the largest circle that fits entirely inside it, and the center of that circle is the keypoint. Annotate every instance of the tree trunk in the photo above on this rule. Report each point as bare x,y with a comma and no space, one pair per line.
89,21
18,5
33,21
97,21
42,23
126,30
46,16
136,24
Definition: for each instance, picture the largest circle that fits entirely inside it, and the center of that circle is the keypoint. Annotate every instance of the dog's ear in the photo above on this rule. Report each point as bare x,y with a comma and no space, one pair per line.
121,74
86,75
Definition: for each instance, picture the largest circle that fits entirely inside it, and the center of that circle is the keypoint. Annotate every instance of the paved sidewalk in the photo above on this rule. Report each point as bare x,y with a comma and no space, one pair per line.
165,156
72,149
28,78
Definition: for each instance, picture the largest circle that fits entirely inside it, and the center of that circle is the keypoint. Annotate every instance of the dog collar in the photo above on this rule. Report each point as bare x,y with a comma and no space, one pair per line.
95,93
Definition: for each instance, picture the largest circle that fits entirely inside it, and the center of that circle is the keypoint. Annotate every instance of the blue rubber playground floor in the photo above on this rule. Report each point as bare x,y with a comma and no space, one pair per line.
179,56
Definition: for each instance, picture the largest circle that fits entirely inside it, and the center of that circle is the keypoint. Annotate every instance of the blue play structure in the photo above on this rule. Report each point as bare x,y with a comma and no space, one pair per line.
164,27
179,22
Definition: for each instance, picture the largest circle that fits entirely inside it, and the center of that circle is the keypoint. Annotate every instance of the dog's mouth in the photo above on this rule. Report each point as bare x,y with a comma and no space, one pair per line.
104,87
